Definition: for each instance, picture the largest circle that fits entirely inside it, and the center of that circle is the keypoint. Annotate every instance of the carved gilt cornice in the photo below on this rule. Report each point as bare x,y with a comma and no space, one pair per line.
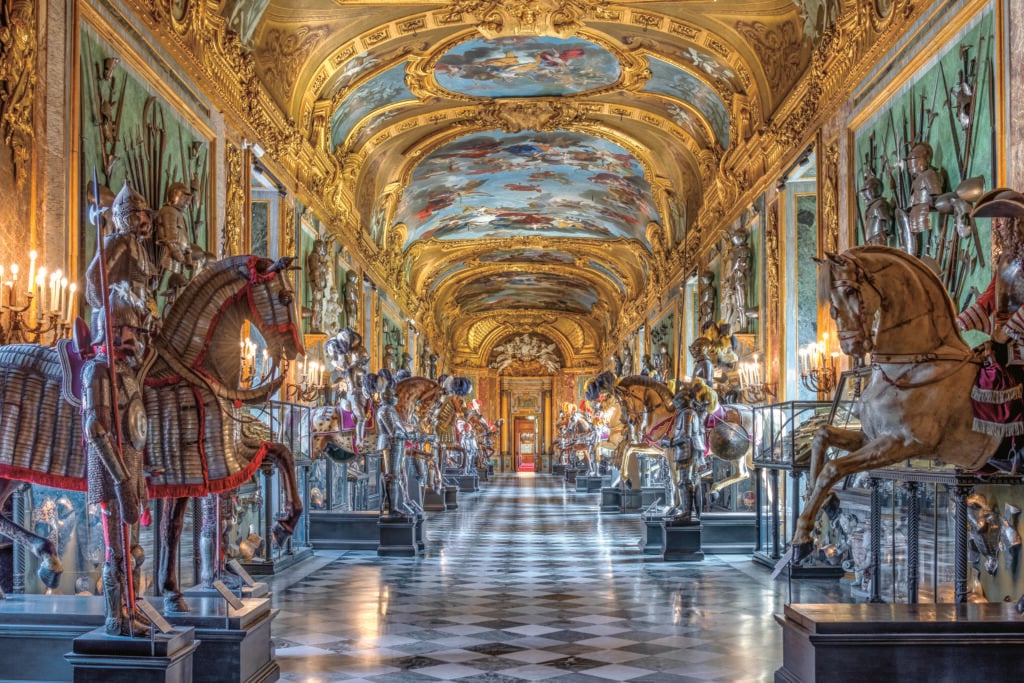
499,18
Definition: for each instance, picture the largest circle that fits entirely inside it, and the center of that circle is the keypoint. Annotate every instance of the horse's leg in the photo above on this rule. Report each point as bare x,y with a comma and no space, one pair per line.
172,519
279,455
881,452
827,435
50,567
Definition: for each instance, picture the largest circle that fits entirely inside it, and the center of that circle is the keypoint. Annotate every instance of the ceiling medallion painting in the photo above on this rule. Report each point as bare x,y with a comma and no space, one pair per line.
526,66
517,355
499,185
533,256
526,290
681,85
375,94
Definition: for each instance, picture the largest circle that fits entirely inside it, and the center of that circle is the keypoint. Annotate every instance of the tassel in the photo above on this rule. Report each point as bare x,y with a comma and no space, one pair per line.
996,395
996,429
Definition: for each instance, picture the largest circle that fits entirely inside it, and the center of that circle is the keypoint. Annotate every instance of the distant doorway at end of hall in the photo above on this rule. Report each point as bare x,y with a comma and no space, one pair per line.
524,440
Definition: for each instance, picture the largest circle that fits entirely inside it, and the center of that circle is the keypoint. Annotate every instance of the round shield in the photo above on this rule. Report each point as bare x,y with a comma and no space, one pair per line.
729,441
137,426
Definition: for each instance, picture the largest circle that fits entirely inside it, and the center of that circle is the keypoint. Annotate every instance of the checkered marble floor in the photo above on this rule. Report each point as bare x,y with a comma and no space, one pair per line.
527,581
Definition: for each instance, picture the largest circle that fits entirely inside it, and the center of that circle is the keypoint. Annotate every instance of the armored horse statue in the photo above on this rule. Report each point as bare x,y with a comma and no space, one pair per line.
199,441
916,402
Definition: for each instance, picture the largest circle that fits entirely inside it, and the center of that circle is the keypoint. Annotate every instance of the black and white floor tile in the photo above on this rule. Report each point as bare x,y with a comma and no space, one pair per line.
527,581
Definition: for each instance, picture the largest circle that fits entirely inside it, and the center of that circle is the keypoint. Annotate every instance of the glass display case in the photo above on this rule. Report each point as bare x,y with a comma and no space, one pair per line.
782,455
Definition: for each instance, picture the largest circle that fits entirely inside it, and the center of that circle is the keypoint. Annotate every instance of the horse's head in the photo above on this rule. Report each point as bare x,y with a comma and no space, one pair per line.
201,330
854,300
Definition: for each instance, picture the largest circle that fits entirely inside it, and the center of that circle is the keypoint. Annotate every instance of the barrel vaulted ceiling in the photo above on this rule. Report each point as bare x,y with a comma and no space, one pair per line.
531,165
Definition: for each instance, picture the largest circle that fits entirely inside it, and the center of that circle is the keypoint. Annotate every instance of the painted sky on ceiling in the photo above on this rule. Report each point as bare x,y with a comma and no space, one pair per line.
539,256
609,274
670,80
526,66
499,185
381,90
526,290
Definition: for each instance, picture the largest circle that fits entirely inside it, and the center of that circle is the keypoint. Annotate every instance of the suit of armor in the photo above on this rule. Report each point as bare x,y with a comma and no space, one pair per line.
393,435
688,444
172,239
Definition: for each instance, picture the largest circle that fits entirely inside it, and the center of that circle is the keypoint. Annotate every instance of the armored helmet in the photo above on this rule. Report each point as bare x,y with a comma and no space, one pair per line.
125,204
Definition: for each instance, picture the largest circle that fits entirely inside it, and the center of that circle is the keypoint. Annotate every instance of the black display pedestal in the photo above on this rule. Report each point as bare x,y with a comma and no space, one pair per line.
399,537
590,484
37,630
482,473
467,483
451,497
433,501
258,590
681,542
570,476
925,642
729,532
611,499
558,469
632,500
355,530
99,658
652,535
234,644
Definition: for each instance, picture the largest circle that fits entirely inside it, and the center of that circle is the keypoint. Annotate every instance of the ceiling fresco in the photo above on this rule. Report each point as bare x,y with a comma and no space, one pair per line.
375,95
543,291
501,185
526,66
681,85
527,166
535,256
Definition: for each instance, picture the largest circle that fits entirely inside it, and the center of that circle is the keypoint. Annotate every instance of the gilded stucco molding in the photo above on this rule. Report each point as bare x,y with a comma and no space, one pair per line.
234,202
828,195
18,77
500,18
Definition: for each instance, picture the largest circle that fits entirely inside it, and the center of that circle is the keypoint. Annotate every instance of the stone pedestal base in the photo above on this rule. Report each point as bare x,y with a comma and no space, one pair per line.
259,590
926,642
729,532
570,476
420,534
37,630
681,542
99,658
482,473
611,499
234,645
433,502
451,497
652,535
398,537
356,530
558,469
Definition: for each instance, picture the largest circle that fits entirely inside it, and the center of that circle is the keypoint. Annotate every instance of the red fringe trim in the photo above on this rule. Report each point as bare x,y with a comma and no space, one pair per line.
56,481
215,486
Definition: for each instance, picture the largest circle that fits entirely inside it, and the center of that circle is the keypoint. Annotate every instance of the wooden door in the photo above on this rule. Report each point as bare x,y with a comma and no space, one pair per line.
525,440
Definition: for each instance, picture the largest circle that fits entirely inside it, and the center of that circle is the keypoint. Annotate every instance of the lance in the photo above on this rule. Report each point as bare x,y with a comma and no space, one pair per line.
108,332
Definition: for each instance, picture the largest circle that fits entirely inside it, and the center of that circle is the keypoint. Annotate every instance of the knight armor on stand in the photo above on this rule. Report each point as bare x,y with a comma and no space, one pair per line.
877,212
172,240
687,444
393,435
115,465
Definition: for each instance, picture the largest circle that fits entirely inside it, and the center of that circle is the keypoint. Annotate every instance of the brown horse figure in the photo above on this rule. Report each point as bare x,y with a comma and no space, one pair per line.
916,402
199,440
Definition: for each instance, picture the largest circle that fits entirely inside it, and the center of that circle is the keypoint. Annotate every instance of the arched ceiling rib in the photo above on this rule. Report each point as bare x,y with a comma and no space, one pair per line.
527,164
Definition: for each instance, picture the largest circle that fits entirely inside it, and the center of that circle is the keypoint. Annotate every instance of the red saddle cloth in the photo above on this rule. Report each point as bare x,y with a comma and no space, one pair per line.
996,402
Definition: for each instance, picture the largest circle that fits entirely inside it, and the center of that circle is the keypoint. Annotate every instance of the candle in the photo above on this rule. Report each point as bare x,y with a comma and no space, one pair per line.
14,285
31,270
41,301
63,293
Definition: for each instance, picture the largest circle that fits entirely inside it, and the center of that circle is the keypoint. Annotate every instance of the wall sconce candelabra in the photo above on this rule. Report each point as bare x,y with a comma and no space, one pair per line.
818,366
753,388
312,382
32,312
255,369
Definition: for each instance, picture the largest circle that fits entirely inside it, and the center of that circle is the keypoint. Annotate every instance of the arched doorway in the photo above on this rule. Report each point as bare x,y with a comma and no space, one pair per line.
524,443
